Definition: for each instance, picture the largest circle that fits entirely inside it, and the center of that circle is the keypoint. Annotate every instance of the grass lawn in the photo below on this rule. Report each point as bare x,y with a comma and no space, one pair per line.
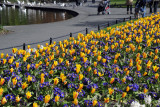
120,1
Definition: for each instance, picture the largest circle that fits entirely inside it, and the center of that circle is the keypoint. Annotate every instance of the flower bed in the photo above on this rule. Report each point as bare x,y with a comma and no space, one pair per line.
114,66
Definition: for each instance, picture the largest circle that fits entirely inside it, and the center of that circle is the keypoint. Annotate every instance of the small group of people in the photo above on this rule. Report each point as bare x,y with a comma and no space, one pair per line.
140,6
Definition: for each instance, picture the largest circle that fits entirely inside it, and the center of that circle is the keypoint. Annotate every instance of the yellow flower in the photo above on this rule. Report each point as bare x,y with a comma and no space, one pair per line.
93,90
99,58
80,87
42,80
14,80
24,85
75,101
57,98
56,81
106,100
80,76
4,101
149,63
17,64
117,55
112,80
155,57
18,98
145,73
2,55
124,80
47,98
14,50
104,60
4,61
36,66
145,90
124,94
61,75
156,51
1,91
64,78
156,76
155,68
139,67
94,103
60,60
28,95
29,78
35,104
115,61
75,94
28,66
127,89
89,69
84,59
110,91
78,67
95,64
2,80
127,73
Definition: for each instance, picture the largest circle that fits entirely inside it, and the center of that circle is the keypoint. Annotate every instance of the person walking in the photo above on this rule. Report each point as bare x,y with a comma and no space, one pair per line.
140,6
153,3
129,4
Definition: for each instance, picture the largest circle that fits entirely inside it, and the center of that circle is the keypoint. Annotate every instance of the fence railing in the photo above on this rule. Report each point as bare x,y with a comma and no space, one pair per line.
72,34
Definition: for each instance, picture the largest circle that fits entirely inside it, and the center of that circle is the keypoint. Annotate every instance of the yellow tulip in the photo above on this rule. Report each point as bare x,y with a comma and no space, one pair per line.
1,91
4,61
14,80
75,101
156,76
24,85
29,78
155,68
127,89
80,77
4,101
145,73
61,75
18,98
78,67
64,78
112,80
93,90
80,87
75,94
94,103
95,64
47,98
28,95
106,100
57,98
124,94
35,104
56,81
28,67
2,80
2,55
145,90
99,58
110,91
17,64
60,60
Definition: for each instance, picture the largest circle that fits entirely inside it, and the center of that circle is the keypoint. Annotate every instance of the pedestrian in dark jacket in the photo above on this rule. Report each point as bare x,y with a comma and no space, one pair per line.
140,6
129,4
153,3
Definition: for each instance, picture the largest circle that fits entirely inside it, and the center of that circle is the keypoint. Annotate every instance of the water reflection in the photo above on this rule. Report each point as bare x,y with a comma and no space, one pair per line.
22,16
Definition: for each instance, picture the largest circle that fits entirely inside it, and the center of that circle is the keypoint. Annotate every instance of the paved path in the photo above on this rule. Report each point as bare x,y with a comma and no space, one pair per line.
38,32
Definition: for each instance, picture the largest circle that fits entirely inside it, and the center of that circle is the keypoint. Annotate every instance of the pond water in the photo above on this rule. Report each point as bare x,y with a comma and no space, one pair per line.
22,16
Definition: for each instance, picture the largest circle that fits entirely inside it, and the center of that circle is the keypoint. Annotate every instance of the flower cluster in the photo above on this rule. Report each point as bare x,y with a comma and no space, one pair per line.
114,65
